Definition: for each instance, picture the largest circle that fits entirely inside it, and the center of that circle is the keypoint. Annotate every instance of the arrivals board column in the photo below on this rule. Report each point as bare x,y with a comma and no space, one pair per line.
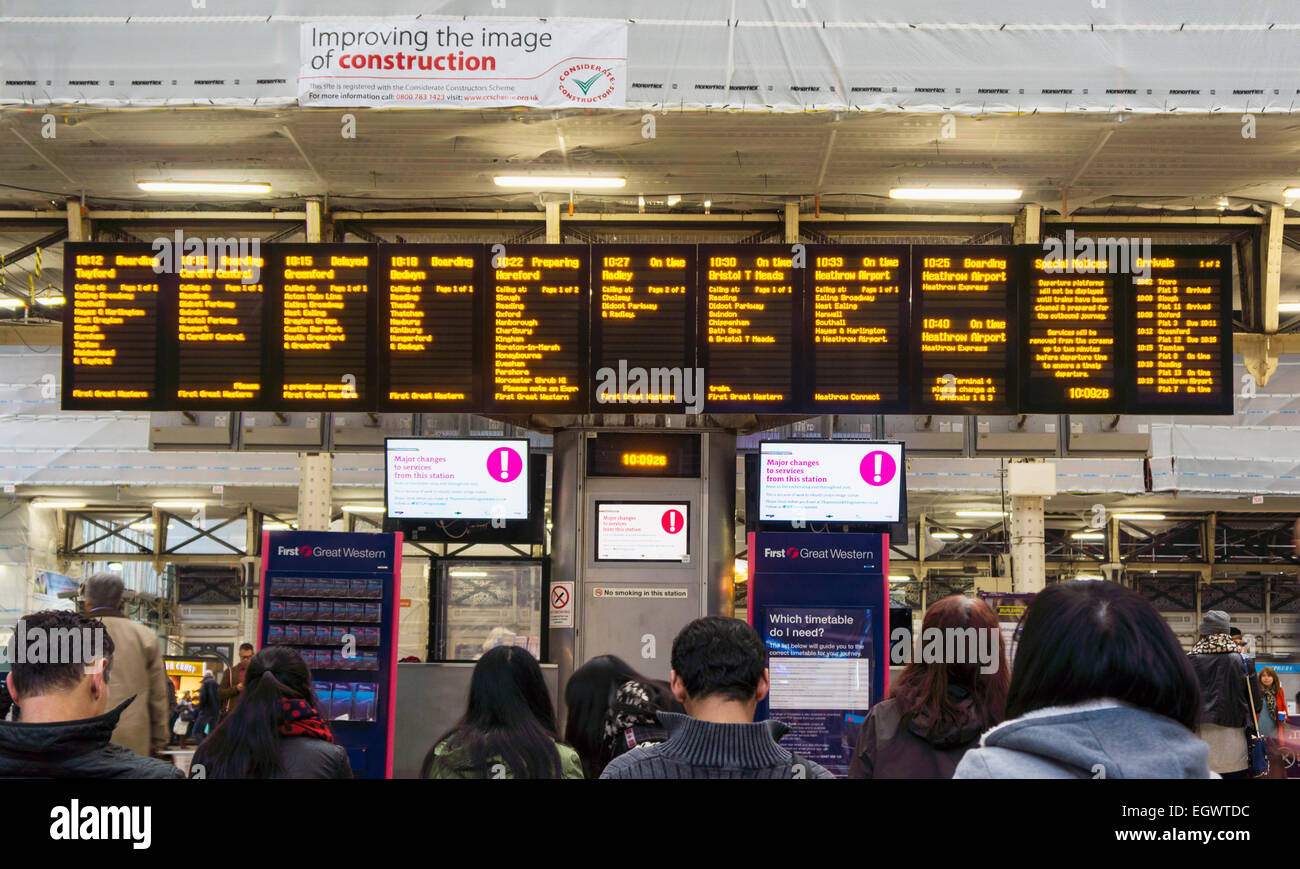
856,361
750,320
431,327
1182,331
1070,328
963,329
216,323
110,325
324,299
537,307
643,329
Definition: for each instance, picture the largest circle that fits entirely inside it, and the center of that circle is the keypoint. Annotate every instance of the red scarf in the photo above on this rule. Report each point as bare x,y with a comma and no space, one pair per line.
299,718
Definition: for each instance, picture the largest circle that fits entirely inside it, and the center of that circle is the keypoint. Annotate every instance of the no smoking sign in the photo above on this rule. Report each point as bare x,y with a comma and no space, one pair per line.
561,605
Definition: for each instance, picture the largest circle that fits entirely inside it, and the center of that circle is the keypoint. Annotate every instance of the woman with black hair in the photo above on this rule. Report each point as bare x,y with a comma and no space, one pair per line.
276,730
1100,689
612,709
508,730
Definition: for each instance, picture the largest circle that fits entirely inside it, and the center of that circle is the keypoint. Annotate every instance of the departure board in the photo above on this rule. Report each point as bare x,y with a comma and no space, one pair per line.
750,317
1181,331
856,314
214,324
537,310
110,326
964,329
430,326
643,329
324,302
1071,323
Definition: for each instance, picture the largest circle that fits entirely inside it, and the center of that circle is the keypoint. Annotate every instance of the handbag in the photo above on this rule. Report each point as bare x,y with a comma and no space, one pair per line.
1257,746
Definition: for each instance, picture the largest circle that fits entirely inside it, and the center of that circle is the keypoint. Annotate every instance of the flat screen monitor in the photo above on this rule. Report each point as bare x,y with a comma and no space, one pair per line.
855,481
456,478
643,531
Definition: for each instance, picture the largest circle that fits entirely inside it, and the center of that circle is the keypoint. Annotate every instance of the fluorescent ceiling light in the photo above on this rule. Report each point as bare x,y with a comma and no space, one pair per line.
982,514
1088,535
1291,193
899,578
115,566
562,182
59,505
1289,307
958,194
474,573
12,303
179,505
673,200
276,526
202,187
50,300
363,508
1090,576
950,535
140,526
1150,517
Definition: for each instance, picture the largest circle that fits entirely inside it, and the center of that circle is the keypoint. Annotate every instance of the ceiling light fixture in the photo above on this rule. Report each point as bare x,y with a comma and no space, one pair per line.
1289,307
1149,517
1088,535
203,187
1291,193
58,505
958,194
50,300
561,182
673,200
12,303
179,505
363,508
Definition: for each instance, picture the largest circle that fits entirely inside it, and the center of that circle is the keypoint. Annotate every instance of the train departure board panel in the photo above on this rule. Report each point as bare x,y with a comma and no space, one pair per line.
213,327
323,297
1181,331
643,329
964,329
1071,324
431,327
537,307
110,326
855,313
751,318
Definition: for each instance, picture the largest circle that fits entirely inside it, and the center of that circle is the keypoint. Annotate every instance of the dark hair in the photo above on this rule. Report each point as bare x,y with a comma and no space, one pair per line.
922,689
509,719
33,679
1234,632
243,646
1088,639
719,656
246,744
589,695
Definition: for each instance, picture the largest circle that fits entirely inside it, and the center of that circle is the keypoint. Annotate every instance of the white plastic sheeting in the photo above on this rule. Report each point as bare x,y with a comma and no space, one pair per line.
985,475
1017,55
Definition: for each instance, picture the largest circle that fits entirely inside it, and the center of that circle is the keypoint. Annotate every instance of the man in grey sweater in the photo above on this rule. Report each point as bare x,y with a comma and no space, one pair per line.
719,676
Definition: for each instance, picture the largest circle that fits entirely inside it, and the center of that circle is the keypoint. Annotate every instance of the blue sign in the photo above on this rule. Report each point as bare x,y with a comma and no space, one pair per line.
319,551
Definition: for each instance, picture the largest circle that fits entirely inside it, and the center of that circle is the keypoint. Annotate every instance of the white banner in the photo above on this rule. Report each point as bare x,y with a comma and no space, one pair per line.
476,62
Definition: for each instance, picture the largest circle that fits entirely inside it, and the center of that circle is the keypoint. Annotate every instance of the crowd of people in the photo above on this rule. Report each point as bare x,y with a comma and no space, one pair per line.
1100,688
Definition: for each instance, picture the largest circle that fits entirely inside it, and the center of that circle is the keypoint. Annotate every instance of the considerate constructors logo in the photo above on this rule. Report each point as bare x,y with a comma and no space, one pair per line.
587,83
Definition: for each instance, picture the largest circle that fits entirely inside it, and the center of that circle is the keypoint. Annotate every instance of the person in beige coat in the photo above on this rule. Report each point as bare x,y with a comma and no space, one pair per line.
137,669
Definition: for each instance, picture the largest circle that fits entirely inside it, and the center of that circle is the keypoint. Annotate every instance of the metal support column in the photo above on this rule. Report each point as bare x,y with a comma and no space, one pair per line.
78,223
1028,228
1270,292
315,483
1028,565
791,222
552,223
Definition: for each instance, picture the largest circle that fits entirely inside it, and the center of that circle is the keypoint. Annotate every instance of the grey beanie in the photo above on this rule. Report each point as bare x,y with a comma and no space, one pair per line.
1214,622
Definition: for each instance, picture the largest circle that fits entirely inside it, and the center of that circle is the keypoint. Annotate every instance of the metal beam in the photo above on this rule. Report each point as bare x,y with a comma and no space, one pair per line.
1271,289
156,216
30,248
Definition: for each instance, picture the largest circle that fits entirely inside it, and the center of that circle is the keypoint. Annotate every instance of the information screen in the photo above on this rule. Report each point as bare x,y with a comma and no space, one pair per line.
750,321
537,308
963,329
1071,335
642,531
830,482
456,478
430,326
215,322
643,329
1182,331
110,326
856,312
324,302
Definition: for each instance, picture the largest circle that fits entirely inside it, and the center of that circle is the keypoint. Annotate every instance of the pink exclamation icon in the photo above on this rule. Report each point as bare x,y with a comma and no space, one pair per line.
876,469
672,521
505,465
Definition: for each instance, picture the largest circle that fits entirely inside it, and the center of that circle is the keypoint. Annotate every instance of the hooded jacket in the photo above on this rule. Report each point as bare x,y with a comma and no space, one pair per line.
1099,739
891,745
74,749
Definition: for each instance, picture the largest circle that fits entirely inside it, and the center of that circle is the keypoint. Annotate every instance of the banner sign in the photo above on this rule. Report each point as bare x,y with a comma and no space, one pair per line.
474,62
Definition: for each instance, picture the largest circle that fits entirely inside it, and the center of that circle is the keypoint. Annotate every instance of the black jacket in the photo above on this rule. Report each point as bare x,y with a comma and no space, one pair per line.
305,757
1223,690
209,702
890,748
74,749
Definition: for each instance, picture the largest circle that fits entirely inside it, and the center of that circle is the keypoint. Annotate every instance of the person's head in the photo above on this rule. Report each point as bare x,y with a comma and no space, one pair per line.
1268,678
923,691
103,590
587,696
510,717
245,653
1237,638
69,682
246,744
718,660
1213,623
1088,640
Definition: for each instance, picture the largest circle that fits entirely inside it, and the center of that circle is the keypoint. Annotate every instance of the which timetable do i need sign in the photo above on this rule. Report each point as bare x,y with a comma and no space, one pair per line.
673,328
